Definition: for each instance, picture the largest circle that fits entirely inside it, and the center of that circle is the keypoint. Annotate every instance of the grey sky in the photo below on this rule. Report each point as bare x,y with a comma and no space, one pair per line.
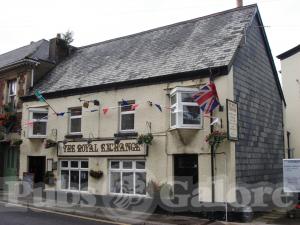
98,20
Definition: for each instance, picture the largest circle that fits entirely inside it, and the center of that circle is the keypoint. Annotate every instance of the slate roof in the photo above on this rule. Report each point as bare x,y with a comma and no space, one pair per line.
35,50
193,45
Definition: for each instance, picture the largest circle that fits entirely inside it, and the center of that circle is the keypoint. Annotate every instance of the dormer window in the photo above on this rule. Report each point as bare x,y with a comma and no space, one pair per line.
185,112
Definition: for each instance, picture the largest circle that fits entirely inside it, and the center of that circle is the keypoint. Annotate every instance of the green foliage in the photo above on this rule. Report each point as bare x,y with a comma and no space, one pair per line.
216,138
68,37
145,139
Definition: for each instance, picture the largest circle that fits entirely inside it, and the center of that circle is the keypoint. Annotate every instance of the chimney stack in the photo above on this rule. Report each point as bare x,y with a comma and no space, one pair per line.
239,3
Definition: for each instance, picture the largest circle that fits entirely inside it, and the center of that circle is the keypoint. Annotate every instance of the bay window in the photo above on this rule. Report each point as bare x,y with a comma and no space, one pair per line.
74,175
185,112
127,177
39,120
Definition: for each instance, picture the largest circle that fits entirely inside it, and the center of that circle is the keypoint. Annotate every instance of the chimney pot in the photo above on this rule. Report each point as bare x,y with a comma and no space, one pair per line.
239,3
58,36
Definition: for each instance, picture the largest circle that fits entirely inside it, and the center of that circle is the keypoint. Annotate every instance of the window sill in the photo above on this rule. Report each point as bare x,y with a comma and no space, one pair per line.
126,134
73,136
38,137
185,128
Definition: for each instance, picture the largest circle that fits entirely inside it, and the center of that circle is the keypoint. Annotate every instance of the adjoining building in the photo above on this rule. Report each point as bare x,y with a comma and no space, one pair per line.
291,87
144,83
20,70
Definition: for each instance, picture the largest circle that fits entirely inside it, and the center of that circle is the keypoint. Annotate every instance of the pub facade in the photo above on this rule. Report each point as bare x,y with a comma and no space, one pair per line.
119,116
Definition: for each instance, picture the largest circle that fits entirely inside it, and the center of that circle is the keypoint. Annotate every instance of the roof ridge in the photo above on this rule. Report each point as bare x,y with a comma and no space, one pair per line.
22,47
170,25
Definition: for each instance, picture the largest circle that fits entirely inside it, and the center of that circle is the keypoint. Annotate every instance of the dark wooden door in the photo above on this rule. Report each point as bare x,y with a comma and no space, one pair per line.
36,165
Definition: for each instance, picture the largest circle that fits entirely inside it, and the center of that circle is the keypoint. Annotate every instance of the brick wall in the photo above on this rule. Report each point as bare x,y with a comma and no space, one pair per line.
260,149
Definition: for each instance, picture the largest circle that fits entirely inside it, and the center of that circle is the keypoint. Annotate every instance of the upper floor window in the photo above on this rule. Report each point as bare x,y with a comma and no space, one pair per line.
39,118
12,92
185,112
127,117
75,120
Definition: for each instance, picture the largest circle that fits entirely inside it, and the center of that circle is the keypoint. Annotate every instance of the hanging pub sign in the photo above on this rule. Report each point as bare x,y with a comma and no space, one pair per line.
101,148
232,120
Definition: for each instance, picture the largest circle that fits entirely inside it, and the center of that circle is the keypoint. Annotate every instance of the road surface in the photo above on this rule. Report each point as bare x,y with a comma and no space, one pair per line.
19,215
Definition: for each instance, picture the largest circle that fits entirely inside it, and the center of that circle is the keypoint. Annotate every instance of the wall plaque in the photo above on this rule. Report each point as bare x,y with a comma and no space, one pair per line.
232,120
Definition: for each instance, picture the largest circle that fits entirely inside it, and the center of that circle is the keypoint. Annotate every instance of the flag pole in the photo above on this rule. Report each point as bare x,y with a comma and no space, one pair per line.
212,154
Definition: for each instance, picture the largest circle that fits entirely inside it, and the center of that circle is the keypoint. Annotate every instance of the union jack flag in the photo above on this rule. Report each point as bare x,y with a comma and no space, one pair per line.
207,98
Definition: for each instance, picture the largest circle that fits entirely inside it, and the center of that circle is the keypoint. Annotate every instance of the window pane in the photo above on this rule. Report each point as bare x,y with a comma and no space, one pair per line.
39,128
127,122
173,99
84,179
140,183
75,125
115,182
64,163
115,164
187,97
84,164
38,116
76,112
191,114
74,164
74,180
127,184
127,164
173,117
64,179
140,164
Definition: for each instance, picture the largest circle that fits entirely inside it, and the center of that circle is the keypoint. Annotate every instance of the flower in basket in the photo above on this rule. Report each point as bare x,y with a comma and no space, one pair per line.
50,143
96,174
145,139
216,138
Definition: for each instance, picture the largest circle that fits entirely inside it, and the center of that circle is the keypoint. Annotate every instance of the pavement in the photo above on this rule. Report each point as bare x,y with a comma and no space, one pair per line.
24,212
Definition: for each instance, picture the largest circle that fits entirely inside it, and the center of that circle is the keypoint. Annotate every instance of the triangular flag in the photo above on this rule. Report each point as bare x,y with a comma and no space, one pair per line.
105,110
60,114
159,107
134,106
124,102
216,121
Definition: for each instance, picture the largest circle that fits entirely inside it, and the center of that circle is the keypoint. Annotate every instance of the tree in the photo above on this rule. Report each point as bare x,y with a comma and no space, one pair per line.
68,37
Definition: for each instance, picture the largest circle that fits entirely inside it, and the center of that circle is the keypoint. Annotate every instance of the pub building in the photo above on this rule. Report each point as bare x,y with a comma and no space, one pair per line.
106,102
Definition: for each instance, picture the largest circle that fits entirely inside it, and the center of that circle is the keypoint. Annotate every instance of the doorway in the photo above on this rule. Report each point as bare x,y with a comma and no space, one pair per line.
37,166
185,173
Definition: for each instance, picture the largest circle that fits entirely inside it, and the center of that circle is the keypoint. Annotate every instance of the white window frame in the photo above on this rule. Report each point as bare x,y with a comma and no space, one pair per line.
178,108
44,120
75,117
11,83
121,170
69,169
125,113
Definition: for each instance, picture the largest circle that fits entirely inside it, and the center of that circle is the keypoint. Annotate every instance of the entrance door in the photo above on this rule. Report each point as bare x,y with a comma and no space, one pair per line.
36,165
11,163
185,173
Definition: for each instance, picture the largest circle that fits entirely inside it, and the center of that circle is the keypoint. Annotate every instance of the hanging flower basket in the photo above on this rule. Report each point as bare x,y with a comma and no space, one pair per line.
49,178
50,143
216,138
96,174
145,139
17,142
